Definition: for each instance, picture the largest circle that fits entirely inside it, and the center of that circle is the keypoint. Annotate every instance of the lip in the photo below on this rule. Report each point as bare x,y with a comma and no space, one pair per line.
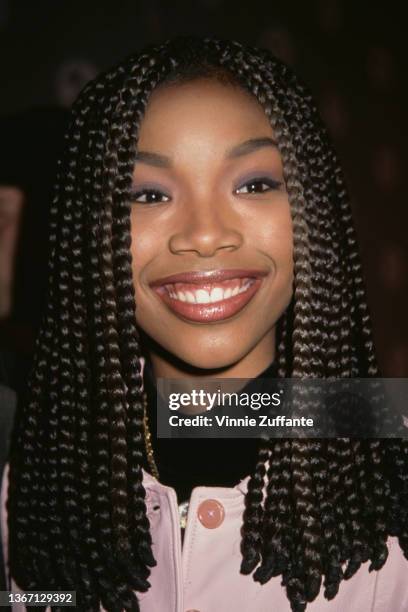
210,276
209,312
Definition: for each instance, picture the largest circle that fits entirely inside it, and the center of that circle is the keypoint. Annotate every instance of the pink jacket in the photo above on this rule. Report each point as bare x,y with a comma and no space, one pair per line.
203,574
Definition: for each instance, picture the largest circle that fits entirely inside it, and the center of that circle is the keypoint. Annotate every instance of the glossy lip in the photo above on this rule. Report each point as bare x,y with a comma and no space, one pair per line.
210,276
211,312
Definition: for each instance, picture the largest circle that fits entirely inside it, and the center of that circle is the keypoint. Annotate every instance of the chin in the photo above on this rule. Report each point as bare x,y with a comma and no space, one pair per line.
210,359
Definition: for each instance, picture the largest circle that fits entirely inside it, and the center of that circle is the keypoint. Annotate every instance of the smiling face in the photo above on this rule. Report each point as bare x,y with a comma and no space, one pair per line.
211,231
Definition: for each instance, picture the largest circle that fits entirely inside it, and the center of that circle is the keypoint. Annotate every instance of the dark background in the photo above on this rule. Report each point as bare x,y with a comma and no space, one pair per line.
352,54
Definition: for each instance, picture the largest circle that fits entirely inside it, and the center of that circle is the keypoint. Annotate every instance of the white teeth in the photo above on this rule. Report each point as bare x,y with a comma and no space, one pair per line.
202,296
190,297
217,294
171,292
244,287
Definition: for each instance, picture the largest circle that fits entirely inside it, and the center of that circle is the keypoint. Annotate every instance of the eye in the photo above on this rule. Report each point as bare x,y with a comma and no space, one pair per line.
260,184
149,196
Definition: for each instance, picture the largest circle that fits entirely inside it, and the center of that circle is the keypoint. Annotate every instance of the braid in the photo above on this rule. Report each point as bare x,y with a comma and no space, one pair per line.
82,527
58,493
128,336
77,505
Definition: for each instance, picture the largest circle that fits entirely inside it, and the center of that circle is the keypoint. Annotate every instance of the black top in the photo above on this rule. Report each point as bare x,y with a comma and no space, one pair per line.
185,463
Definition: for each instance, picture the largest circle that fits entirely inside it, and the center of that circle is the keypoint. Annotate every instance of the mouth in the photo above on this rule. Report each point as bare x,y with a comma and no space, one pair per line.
206,297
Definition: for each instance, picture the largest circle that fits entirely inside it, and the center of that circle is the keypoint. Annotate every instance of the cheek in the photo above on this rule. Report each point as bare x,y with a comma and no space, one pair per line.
275,239
273,235
144,246
146,250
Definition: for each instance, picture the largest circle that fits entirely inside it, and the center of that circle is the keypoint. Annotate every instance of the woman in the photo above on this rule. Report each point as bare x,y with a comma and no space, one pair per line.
200,227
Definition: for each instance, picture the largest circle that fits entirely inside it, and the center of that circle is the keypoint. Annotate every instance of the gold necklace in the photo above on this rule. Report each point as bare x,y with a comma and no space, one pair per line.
183,507
148,440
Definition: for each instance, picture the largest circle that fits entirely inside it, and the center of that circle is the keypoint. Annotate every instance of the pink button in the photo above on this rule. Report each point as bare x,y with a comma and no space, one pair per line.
211,513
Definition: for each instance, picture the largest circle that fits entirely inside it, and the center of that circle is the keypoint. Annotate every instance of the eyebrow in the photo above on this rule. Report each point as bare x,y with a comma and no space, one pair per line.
153,159
244,148
248,146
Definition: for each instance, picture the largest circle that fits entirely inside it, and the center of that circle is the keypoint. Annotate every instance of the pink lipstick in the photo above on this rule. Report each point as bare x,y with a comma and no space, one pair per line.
208,296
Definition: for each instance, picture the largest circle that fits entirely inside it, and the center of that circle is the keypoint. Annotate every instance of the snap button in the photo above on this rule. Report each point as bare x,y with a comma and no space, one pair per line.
211,513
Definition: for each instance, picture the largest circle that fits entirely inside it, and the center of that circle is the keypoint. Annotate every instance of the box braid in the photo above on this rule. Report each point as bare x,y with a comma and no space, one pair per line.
77,512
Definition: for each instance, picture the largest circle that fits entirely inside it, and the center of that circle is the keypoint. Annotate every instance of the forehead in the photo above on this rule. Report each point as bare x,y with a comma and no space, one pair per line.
202,107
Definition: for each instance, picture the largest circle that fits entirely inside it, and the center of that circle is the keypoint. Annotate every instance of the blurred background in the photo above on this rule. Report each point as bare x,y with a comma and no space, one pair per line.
352,55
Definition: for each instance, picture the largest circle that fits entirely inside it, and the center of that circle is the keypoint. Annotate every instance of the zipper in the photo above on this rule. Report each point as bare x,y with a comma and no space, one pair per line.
176,538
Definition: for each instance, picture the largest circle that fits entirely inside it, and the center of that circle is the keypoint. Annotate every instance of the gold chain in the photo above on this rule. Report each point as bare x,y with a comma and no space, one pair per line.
183,508
148,440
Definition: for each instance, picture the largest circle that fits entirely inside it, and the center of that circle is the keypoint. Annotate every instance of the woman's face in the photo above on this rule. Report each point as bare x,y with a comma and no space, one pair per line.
211,230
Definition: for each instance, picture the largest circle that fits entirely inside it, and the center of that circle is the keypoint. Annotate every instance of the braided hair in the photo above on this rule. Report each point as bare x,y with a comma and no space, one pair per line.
76,505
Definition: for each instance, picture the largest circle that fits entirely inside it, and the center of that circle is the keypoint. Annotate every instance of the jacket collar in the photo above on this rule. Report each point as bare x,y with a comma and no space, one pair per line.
152,484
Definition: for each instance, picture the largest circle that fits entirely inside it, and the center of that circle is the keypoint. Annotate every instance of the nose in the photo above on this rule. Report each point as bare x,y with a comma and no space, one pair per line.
205,230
